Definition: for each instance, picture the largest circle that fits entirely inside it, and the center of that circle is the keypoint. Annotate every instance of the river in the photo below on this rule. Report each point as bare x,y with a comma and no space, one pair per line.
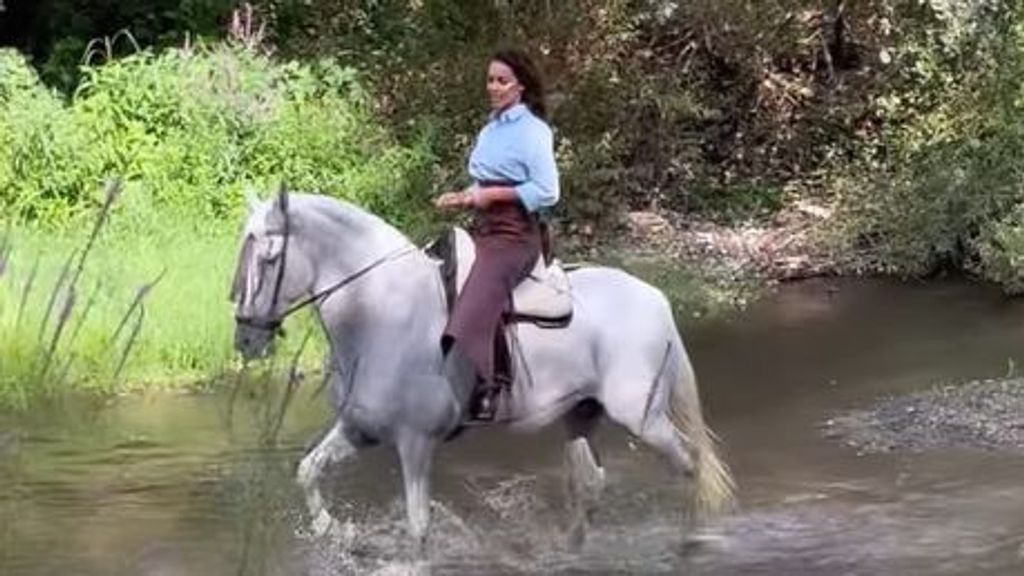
200,484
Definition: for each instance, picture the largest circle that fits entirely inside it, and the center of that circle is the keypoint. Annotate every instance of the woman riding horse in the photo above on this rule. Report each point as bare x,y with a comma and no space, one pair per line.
514,175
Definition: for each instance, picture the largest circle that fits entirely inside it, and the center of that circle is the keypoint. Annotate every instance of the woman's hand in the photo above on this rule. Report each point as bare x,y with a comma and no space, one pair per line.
455,201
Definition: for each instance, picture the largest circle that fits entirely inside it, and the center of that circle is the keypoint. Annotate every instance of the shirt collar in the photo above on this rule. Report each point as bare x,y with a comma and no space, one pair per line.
510,114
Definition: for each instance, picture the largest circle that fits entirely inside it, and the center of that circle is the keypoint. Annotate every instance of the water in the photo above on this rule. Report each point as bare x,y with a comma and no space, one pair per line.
174,485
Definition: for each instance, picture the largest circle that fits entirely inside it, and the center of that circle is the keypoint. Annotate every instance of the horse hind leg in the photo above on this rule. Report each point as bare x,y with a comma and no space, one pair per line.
585,476
333,447
644,411
662,435
655,427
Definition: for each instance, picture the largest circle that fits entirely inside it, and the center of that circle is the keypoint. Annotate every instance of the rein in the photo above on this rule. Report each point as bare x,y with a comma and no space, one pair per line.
394,254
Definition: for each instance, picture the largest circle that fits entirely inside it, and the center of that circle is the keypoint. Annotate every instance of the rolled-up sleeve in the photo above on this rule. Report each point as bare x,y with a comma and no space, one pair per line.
540,190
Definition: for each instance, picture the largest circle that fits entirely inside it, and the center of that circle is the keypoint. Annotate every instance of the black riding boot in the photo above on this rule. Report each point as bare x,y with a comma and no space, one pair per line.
475,399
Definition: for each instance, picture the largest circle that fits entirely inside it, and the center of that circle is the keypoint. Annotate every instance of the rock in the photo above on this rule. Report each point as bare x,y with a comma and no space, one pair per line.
647,222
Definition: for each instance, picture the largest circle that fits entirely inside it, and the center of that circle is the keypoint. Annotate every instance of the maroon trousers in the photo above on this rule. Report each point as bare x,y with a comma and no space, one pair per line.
508,244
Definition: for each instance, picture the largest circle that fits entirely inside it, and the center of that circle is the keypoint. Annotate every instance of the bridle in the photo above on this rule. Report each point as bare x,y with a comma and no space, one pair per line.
273,322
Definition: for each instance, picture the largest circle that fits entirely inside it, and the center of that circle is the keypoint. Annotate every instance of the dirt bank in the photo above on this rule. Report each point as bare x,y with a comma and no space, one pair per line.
784,247
987,414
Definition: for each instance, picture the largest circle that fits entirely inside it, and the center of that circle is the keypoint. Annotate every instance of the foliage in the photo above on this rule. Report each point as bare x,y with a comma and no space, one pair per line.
191,128
686,105
57,33
940,187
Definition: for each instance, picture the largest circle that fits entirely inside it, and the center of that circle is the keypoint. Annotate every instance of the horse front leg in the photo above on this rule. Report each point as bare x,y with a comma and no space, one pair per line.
416,452
334,447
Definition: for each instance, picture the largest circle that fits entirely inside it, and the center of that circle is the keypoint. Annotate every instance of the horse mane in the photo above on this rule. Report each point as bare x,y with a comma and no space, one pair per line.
342,213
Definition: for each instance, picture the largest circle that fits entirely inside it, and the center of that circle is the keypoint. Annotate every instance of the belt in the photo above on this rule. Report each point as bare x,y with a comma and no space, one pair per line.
498,183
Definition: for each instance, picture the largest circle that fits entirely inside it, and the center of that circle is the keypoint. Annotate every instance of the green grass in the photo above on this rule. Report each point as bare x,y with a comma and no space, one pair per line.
115,334
695,292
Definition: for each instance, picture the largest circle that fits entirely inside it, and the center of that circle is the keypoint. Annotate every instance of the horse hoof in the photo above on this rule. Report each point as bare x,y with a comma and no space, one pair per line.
702,540
577,536
419,549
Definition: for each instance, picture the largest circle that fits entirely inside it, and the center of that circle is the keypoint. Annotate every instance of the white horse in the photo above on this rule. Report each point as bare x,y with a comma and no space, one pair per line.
382,305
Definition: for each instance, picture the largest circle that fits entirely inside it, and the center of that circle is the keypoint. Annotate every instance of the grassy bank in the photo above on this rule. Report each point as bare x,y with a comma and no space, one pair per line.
125,312
697,292
105,307
109,329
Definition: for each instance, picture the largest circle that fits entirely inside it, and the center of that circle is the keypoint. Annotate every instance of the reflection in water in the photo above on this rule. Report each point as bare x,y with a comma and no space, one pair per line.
161,485
202,484
10,466
258,489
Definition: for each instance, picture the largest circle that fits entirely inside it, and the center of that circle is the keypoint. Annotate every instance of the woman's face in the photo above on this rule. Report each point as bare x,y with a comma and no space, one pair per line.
503,88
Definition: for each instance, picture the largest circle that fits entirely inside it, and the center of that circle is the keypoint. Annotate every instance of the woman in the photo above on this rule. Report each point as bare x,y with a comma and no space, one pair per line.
514,176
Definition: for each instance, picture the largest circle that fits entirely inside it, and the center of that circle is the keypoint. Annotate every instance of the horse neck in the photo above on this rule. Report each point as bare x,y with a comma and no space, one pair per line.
359,320
344,243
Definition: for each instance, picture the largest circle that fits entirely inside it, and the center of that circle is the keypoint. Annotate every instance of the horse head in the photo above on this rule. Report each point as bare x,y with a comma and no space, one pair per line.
271,275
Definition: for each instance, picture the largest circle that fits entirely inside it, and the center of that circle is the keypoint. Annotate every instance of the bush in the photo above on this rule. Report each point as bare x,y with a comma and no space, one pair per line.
192,128
941,187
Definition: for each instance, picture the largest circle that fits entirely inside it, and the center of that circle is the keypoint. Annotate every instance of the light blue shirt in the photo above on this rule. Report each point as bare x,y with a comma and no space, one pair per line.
516,146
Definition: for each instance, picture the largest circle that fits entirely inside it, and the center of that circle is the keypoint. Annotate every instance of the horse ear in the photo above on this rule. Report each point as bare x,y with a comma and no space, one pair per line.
282,198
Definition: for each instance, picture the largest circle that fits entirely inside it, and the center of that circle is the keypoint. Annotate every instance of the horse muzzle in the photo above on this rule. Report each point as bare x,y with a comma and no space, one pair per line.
255,339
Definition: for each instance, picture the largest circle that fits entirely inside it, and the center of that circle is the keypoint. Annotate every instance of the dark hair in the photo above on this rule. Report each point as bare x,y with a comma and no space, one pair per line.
528,75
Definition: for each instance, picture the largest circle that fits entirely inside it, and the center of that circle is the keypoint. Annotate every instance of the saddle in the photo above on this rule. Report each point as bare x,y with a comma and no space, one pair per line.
543,298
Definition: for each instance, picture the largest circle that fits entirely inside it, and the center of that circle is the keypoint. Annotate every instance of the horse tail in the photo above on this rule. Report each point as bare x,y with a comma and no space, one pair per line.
713,490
